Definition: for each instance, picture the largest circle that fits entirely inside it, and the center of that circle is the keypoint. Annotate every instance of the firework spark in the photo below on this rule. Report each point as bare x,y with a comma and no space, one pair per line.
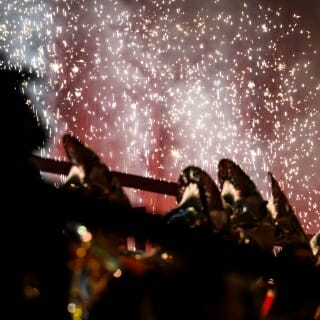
154,86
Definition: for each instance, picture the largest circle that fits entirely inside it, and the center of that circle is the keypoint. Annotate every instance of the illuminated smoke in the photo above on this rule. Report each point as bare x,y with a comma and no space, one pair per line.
154,86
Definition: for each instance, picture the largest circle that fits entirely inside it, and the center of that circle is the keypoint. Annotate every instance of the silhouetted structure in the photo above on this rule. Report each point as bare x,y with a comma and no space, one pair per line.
193,275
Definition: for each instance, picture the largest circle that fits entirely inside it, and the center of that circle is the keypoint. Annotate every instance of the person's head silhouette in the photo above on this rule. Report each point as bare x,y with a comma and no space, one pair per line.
25,133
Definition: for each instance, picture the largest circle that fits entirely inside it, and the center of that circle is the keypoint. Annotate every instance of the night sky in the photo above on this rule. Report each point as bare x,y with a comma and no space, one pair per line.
155,86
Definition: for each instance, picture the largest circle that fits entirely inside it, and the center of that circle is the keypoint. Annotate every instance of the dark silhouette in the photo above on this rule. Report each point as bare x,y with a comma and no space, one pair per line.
199,203
193,275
